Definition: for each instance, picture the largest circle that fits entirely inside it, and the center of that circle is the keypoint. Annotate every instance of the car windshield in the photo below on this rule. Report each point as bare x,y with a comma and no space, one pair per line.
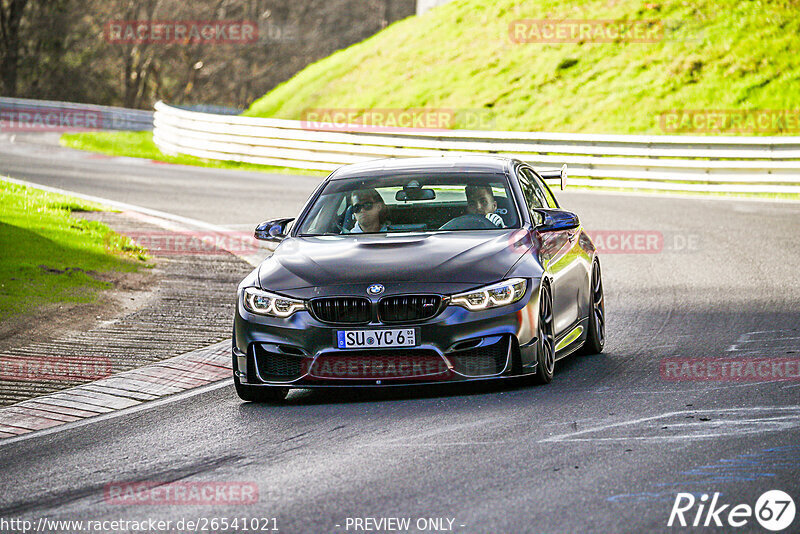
394,204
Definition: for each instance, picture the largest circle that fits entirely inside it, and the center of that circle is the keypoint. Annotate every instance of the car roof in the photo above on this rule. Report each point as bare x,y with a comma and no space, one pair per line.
446,164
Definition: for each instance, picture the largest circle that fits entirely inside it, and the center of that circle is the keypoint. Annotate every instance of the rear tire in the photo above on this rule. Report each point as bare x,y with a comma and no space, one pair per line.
271,394
596,337
545,344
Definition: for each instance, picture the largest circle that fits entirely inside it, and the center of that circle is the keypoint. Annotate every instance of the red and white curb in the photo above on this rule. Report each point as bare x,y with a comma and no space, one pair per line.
120,391
129,390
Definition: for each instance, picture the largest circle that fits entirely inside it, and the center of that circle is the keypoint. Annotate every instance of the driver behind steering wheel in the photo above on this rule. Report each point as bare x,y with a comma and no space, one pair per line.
481,201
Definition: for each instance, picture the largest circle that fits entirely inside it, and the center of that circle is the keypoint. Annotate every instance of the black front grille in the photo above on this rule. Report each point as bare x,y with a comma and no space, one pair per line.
277,366
404,308
351,310
481,361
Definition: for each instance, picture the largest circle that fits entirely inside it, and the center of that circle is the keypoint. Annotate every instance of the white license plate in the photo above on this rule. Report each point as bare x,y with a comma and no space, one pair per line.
360,339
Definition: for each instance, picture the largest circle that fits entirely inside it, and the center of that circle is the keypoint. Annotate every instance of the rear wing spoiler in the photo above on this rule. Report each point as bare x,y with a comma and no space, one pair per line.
560,175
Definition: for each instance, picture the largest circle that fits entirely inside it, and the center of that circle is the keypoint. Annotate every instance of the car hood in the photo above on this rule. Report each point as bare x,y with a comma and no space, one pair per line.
452,259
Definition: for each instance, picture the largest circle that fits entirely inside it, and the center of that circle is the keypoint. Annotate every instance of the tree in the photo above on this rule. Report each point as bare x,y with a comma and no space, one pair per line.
11,13
64,50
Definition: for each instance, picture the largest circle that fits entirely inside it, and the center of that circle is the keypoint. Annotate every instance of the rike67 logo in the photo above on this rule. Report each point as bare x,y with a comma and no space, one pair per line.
774,510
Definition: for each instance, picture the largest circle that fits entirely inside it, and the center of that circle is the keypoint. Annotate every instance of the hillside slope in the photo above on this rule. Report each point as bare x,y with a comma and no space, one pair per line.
719,55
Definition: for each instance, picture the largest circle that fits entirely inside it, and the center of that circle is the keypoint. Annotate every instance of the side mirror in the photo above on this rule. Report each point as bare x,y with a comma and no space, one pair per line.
554,220
274,230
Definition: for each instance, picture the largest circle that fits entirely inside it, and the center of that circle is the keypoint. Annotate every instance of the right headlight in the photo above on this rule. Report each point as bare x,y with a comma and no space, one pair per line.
263,302
492,296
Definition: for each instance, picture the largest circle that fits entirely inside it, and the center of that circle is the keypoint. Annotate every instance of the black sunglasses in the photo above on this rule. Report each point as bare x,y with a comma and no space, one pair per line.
362,205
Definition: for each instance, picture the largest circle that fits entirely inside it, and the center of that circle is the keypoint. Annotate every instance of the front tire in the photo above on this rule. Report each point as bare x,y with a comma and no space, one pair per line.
545,345
271,394
596,337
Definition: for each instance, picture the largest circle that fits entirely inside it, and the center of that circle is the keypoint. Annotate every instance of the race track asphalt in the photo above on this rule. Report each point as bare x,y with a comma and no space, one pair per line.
604,448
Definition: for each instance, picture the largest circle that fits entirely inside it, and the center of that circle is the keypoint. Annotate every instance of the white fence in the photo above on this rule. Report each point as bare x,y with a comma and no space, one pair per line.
667,162
22,114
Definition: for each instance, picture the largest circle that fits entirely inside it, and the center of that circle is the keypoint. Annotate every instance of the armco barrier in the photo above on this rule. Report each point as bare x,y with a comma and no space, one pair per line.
22,114
667,162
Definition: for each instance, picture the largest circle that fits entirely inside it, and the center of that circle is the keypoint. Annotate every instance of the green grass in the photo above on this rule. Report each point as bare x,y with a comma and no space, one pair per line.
50,256
140,145
722,54
459,57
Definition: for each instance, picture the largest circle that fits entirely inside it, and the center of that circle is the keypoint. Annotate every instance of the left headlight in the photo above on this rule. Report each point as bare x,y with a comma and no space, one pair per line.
265,303
493,296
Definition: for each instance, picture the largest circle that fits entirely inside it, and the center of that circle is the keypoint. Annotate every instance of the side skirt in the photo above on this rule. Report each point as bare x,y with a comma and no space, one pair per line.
573,339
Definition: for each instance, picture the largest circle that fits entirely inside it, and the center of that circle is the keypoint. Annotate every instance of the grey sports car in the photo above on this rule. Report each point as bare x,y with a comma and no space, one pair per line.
418,271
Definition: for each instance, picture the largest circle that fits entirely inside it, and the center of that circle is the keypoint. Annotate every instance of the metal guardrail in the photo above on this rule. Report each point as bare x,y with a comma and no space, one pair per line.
679,163
22,114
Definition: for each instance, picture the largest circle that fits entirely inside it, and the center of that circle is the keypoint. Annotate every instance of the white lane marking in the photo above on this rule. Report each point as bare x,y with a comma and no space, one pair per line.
119,205
766,339
158,218
717,429
748,336
793,421
119,413
166,371
155,215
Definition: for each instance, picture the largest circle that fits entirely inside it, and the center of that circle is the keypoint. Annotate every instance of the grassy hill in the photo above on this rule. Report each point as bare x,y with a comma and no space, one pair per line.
724,54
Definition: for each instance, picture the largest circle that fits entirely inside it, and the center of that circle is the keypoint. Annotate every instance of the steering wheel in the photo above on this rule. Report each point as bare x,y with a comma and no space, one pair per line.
470,221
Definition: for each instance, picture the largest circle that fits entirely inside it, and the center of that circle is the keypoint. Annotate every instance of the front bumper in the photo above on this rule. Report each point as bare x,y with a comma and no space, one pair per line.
456,345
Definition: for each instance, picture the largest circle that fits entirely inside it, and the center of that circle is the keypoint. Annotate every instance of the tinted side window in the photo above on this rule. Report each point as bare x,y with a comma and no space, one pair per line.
537,188
529,192
548,195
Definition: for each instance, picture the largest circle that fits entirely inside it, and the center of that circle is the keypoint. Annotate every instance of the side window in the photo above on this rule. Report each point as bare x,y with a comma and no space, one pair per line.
548,195
529,192
342,206
537,189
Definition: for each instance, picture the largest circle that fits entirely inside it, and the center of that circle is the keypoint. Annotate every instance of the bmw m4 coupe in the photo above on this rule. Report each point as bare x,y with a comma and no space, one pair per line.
418,271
